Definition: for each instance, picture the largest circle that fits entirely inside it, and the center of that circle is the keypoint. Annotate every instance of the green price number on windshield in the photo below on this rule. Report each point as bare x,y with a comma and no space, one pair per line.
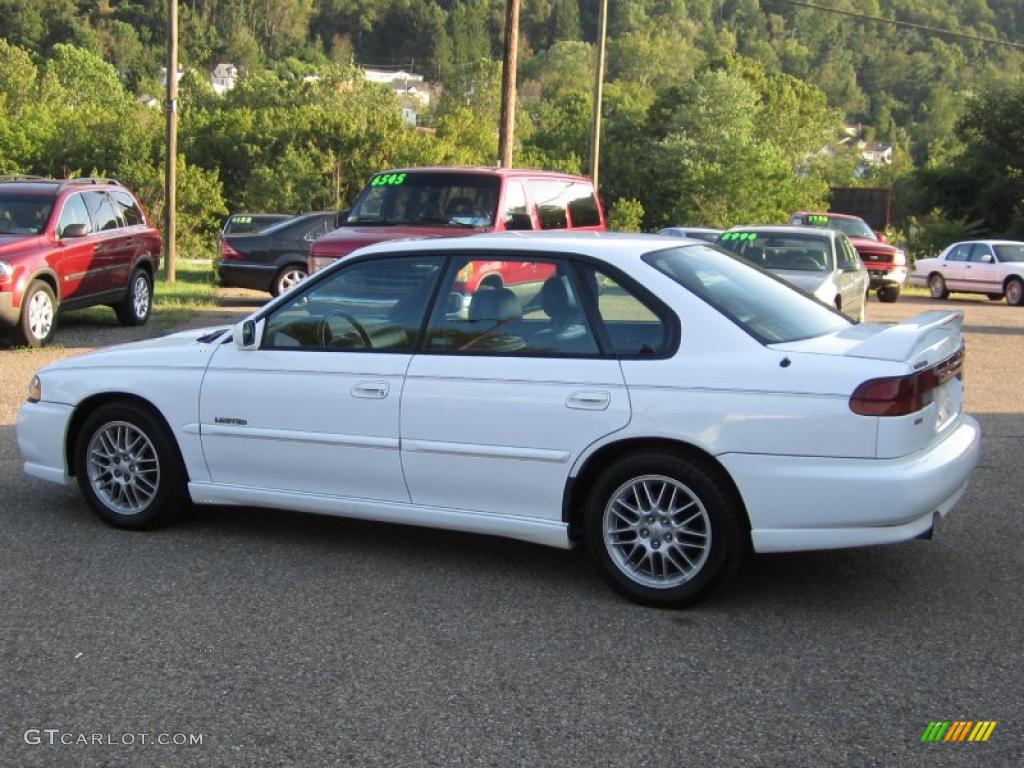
387,180
739,236
817,219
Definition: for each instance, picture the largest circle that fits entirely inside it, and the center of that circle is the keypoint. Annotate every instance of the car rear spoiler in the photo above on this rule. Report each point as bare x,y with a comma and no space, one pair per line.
906,340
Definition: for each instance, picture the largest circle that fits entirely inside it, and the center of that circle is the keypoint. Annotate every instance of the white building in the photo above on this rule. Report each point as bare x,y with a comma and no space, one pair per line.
223,77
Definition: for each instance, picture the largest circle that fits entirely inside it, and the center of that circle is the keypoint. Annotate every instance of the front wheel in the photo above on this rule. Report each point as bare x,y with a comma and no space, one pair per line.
1015,292
888,294
137,303
128,467
287,278
664,530
937,287
38,320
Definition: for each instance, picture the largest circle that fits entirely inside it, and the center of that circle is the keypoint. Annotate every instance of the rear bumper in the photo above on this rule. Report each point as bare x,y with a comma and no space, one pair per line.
42,433
807,503
257,277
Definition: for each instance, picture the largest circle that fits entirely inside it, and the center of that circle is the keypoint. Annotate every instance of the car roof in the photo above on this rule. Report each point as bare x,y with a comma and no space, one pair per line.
486,171
986,242
829,213
692,229
786,230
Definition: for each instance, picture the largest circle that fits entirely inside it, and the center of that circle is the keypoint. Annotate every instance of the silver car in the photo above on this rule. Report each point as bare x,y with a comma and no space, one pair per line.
821,262
992,267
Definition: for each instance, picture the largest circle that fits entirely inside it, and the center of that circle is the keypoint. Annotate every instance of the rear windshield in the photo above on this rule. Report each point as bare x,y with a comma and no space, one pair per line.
1010,252
22,214
776,250
456,200
246,224
764,306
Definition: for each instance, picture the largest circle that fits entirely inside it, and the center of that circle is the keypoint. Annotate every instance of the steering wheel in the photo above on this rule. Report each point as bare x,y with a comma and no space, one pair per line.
806,262
322,328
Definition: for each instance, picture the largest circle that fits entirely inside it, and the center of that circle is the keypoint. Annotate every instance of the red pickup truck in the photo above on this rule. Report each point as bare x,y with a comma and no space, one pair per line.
442,202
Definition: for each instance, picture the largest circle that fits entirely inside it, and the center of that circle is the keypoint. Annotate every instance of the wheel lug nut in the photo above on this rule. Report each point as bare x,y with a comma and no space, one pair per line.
656,543
643,532
650,518
668,537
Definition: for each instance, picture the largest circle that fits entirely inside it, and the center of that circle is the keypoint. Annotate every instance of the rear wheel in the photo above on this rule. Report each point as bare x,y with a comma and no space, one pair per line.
888,294
287,278
137,303
1015,292
937,287
38,320
128,467
664,530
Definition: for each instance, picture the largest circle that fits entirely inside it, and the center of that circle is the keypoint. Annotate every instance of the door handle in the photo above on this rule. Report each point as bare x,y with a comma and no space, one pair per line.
372,390
589,401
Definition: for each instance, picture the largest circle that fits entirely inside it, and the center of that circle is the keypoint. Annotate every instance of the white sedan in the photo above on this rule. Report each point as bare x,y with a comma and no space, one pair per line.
663,403
992,267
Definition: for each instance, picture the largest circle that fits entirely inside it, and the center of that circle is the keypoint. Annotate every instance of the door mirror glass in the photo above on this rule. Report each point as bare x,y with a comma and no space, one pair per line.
75,230
246,334
986,258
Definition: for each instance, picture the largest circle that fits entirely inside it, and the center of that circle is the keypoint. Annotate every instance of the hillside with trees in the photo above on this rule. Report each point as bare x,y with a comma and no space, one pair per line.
716,110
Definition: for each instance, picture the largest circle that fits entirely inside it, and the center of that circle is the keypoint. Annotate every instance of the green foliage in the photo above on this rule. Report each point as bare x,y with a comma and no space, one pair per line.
929,234
626,215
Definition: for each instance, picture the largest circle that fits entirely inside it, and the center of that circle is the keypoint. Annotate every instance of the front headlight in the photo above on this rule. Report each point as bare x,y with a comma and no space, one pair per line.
899,258
6,273
320,262
35,390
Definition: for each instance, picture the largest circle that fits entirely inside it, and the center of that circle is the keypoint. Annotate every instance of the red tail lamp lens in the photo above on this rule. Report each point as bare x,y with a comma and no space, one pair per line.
902,395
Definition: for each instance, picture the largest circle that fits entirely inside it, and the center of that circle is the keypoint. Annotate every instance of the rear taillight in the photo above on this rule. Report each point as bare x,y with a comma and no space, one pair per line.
902,395
227,253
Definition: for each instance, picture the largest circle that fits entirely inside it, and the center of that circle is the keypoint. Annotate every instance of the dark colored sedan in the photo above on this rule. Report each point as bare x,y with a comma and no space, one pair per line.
275,259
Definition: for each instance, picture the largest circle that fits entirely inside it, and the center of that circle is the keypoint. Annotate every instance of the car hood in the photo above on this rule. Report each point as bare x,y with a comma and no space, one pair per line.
12,243
183,349
874,246
343,241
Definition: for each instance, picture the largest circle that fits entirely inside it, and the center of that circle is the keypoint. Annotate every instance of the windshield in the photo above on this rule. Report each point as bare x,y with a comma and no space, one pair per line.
429,199
1010,252
24,214
850,227
764,306
771,250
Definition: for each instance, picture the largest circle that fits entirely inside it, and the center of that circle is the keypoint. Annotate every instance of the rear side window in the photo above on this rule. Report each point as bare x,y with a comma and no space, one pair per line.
767,308
74,212
129,209
549,199
104,216
632,326
583,208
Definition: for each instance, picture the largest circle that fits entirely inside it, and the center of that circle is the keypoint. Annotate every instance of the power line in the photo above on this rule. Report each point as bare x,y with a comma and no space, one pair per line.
906,24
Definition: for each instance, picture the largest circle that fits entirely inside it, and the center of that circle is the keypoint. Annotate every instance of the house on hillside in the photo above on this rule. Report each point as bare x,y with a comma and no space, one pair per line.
413,91
223,77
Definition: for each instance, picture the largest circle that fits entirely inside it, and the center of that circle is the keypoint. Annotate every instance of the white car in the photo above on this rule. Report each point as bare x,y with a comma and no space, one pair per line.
992,267
822,262
663,403
707,234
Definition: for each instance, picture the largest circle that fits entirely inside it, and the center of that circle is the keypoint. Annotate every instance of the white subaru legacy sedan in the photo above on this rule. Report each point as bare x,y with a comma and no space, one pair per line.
664,404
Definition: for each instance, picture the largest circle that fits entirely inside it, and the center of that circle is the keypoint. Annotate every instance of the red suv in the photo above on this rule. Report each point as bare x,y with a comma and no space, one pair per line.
887,264
72,244
432,202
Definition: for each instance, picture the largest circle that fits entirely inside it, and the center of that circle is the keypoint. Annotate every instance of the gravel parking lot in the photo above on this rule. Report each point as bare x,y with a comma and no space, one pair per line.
286,639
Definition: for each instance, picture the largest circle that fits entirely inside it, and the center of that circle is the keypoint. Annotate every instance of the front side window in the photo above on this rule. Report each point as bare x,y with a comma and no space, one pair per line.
632,327
104,217
847,254
959,253
515,214
764,306
128,207
74,212
528,307
375,305
428,199
24,214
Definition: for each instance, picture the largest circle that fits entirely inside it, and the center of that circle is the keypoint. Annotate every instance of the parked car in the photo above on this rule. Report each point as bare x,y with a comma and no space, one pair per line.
692,409
432,202
706,234
250,223
68,244
992,267
887,264
275,259
822,262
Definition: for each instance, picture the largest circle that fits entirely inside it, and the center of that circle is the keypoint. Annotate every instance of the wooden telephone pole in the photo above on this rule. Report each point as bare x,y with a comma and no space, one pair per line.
508,84
595,130
170,177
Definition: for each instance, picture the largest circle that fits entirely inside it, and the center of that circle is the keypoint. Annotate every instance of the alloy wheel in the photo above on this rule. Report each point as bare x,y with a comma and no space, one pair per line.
40,315
123,467
140,293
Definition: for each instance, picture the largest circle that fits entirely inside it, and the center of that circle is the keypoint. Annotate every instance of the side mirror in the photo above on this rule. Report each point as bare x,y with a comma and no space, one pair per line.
986,258
881,237
519,221
246,334
75,230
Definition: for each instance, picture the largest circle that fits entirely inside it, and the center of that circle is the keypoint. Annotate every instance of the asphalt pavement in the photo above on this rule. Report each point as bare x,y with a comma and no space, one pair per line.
295,640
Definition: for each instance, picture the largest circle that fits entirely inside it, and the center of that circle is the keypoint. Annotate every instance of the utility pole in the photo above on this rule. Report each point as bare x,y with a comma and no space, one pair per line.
595,130
170,177
508,84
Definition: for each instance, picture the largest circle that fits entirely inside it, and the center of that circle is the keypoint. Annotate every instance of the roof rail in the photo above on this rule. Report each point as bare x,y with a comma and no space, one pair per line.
88,180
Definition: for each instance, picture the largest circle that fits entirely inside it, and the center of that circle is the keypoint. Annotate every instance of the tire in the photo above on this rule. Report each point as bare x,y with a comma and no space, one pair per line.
888,294
937,286
137,304
1015,292
38,321
287,277
157,494
633,559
